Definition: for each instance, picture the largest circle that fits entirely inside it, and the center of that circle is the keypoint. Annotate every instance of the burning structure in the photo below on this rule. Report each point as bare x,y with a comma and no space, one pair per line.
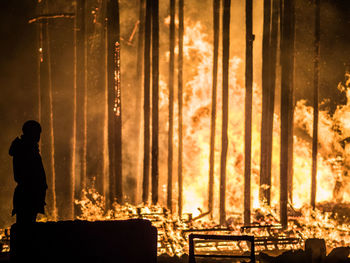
149,113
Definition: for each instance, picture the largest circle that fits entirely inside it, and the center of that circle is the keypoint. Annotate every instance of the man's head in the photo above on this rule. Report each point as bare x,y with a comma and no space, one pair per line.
31,130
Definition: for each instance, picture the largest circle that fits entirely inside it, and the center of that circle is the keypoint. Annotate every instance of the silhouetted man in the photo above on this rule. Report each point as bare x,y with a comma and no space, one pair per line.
29,173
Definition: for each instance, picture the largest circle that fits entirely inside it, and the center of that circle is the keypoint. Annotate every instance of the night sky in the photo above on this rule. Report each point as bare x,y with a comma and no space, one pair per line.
18,79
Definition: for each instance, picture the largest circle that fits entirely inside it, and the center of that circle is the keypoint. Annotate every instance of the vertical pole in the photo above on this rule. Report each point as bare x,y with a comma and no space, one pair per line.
180,68
111,101
316,88
265,181
225,101
85,77
286,106
114,99
138,103
171,104
155,100
248,109
216,31
74,126
52,138
39,61
118,108
271,90
146,109
291,100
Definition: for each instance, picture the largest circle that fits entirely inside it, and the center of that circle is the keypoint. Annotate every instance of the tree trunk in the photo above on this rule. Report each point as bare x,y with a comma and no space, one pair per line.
216,31
265,180
114,101
316,88
286,106
248,109
138,103
179,80
80,100
147,67
50,119
225,93
271,92
155,100
171,104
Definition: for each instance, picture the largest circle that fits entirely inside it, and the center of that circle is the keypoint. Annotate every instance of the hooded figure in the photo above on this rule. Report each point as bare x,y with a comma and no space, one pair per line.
29,173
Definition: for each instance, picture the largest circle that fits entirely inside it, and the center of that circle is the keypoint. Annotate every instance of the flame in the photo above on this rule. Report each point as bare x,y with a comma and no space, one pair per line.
332,159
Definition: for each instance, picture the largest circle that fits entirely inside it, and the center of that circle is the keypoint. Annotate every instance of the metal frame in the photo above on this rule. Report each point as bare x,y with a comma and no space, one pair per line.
192,256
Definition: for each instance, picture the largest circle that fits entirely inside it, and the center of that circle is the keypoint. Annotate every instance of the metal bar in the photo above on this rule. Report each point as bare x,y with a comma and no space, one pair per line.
192,255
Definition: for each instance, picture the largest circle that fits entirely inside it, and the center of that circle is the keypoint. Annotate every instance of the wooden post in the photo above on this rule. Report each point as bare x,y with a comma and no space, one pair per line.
265,180
171,104
248,109
287,58
216,31
315,121
114,101
225,93
147,67
179,81
155,100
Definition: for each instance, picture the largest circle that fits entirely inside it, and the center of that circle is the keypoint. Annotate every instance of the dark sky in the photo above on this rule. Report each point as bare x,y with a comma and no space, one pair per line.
18,101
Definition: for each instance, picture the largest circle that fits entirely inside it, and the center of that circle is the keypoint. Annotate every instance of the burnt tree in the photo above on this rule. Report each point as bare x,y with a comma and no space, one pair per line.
248,109
171,104
265,178
114,102
155,100
216,31
315,120
138,96
179,82
146,109
287,60
225,93
81,75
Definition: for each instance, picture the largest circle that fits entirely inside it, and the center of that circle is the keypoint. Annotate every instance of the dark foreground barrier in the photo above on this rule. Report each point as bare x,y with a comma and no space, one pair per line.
129,241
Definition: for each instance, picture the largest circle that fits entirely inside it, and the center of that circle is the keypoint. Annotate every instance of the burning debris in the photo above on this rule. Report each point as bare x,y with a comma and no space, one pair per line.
173,232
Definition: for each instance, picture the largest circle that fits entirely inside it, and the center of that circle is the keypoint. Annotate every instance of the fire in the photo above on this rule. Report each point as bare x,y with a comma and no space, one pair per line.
196,136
